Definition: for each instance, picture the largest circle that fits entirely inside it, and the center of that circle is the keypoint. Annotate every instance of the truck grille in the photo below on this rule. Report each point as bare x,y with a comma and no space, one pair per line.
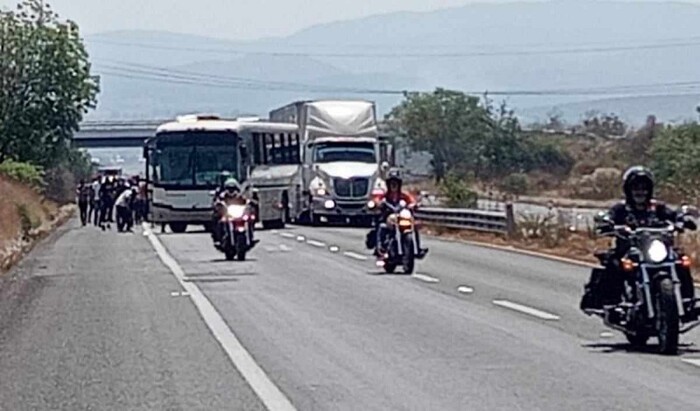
352,187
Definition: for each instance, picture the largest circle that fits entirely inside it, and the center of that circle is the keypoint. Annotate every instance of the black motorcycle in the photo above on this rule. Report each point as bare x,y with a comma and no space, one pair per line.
652,304
399,244
235,224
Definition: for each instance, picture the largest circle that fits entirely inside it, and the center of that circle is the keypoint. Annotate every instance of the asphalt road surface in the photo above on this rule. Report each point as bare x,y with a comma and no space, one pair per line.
94,320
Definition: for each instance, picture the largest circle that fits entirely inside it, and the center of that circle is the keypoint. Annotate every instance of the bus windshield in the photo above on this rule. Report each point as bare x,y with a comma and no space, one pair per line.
195,158
345,151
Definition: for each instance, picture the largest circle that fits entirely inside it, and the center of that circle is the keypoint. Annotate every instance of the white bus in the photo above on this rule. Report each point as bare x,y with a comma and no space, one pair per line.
184,162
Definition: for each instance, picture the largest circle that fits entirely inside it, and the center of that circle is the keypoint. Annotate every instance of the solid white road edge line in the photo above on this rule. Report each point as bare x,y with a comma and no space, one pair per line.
266,390
356,256
465,290
425,278
527,310
315,243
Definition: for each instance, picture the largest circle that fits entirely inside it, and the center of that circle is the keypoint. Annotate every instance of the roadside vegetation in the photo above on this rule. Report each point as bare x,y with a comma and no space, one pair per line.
45,90
484,146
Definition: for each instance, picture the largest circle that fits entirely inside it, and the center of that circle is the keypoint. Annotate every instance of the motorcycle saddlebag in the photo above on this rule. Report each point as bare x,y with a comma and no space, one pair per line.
371,240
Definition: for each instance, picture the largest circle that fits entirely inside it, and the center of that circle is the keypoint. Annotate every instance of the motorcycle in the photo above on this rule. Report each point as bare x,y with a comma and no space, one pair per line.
400,246
652,304
236,223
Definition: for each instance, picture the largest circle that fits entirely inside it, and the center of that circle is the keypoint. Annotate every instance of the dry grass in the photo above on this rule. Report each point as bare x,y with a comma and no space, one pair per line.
21,207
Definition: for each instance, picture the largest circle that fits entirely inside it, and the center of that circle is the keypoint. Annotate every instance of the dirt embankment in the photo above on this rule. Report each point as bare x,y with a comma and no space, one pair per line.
25,217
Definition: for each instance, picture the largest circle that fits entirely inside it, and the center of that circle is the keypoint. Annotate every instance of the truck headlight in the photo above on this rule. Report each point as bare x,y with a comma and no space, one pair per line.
329,204
318,187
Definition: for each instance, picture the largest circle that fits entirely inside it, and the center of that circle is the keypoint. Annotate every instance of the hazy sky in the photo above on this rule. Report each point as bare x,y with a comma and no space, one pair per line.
235,19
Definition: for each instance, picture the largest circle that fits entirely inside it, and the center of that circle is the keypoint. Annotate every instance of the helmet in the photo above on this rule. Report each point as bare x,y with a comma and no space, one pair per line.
634,175
394,175
231,185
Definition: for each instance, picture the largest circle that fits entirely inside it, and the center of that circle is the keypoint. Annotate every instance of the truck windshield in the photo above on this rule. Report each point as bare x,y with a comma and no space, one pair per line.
195,158
344,151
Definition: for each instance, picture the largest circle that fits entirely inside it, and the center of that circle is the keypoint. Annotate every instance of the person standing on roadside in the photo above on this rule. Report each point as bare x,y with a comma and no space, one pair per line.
96,207
83,197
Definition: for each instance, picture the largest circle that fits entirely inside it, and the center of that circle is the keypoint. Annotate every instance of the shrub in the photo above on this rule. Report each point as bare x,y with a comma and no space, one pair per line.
27,223
514,184
60,185
23,172
457,192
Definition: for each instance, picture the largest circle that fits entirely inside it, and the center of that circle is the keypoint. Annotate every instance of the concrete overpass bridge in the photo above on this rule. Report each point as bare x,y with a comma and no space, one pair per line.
112,134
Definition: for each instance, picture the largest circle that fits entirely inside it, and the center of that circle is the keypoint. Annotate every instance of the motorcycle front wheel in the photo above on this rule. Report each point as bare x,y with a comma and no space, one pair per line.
409,258
667,318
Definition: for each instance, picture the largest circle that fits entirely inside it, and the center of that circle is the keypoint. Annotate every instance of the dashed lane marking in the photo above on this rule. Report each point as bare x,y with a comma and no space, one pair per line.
334,249
425,278
526,310
465,290
287,235
316,243
356,256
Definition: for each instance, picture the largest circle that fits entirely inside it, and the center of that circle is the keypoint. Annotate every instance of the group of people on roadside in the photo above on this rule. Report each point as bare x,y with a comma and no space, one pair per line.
110,199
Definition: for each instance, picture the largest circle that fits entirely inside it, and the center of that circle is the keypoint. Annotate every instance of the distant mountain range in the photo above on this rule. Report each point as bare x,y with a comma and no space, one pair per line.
527,47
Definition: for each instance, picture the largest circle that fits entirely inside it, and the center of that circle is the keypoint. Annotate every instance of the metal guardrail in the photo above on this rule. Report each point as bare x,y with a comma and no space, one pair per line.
470,219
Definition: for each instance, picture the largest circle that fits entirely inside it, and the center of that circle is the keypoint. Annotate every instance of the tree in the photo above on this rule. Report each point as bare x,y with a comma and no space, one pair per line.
463,135
45,85
444,123
676,159
604,125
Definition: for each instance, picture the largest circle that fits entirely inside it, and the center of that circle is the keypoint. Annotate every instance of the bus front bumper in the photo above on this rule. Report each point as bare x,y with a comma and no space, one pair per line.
161,214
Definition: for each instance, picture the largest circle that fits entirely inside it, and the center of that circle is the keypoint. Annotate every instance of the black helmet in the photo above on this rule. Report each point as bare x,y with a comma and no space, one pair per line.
637,174
394,175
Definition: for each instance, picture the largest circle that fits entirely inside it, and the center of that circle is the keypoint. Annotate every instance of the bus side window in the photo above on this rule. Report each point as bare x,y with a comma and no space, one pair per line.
257,149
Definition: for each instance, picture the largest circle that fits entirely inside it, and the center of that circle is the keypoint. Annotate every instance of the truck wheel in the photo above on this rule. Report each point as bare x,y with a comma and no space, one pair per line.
637,340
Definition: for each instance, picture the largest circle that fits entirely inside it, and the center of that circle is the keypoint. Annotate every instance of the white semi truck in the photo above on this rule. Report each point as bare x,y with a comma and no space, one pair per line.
340,163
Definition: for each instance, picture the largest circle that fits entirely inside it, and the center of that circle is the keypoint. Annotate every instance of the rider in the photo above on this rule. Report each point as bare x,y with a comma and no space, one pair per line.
393,196
639,209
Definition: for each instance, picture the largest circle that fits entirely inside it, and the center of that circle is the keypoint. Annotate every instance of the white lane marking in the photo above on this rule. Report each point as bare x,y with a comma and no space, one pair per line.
527,310
334,249
692,361
301,238
356,256
287,235
267,391
606,334
285,248
465,290
425,278
315,243
275,231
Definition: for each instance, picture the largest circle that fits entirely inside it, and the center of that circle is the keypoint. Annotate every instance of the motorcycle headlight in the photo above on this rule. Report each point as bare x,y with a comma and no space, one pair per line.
657,252
405,214
235,211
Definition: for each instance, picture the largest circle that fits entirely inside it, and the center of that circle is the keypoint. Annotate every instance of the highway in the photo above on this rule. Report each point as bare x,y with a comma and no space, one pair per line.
93,320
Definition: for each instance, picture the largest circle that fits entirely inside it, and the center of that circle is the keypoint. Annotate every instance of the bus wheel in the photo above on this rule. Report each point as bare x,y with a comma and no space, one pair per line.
272,224
178,227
